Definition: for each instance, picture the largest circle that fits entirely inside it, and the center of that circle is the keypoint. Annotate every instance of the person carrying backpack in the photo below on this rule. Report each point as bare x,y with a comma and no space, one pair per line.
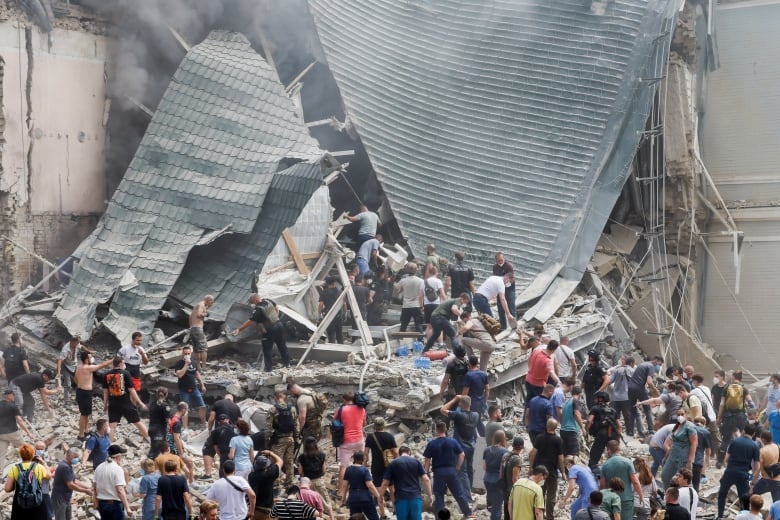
731,414
25,479
311,407
283,427
452,382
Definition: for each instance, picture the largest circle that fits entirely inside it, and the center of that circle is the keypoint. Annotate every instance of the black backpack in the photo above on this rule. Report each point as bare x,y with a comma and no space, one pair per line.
285,422
459,369
361,399
28,490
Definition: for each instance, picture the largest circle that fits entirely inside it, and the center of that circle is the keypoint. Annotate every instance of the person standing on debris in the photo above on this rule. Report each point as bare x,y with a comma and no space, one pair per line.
191,385
454,373
353,417
10,423
83,378
742,458
227,406
311,464
649,489
703,451
266,314
604,425
160,412
382,449
541,367
526,501
410,288
594,508
476,386
492,457
460,277
548,452
328,298
120,399
242,449
217,442
572,424
611,499
41,456
173,495
369,222
681,448
731,415
709,411
444,456
23,387
433,295
618,378
581,477
15,362
673,509
618,466
379,292
360,289
502,267
97,444
283,432
509,472
147,488
31,467
476,337
310,405
231,493
689,498
109,487
566,361
66,365
198,338
368,253
690,403
538,412
440,320
494,287
175,441
64,484
261,480
134,356
404,474
357,487
495,423
465,422
594,379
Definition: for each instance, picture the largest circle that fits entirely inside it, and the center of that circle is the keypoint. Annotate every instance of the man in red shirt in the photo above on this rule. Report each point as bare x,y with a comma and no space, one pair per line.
541,366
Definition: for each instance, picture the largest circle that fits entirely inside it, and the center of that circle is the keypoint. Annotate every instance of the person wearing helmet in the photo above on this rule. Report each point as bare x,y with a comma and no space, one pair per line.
266,468
603,424
594,379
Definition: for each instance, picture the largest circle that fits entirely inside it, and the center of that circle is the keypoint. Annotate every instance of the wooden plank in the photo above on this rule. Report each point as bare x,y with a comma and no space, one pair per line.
362,326
315,337
296,254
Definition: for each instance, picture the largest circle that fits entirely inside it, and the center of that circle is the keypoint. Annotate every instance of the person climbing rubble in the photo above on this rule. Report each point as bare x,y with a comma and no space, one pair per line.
14,359
84,378
369,222
198,338
175,441
368,253
120,399
494,288
266,317
311,406
454,373
440,320
25,384
503,267
464,431
218,442
475,337
191,385
67,363
444,456
10,423
283,432
225,406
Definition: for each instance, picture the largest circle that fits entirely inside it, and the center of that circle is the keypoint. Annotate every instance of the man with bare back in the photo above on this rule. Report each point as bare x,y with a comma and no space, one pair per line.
197,336
83,378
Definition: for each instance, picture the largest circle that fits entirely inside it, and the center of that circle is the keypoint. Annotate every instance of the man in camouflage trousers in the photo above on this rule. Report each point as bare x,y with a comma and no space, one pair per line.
283,433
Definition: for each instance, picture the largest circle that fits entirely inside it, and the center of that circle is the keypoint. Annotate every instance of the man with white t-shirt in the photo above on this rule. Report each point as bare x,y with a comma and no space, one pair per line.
493,287
689,498
134,356
567,363
230,492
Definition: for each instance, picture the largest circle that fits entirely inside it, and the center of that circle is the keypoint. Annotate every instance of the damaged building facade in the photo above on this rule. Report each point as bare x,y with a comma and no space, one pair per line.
573,139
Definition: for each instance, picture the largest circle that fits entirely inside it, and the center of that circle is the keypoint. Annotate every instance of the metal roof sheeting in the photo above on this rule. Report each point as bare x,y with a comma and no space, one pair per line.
207,161
500,124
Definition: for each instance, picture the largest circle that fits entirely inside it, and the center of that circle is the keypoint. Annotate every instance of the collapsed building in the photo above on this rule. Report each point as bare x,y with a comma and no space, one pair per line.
566,136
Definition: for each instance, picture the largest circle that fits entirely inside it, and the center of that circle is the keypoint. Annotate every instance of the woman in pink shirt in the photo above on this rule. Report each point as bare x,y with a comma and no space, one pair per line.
354,418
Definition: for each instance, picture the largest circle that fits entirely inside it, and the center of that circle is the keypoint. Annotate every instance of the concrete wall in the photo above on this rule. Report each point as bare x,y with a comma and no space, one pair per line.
52,180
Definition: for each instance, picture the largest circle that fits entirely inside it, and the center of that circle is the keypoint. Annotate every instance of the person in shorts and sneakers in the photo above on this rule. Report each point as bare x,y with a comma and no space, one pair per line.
190,384
198,338
121,399
354,418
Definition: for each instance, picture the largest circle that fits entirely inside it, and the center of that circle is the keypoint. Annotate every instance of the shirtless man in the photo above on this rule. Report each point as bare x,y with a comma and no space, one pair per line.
83,378
199,313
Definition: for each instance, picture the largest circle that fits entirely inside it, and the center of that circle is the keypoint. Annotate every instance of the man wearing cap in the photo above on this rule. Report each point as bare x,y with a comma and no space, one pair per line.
108,487
267,314
494,287
134,356
261,479
10,423
24,385
66,364
218,442
376,444
404,474
328,298
198,338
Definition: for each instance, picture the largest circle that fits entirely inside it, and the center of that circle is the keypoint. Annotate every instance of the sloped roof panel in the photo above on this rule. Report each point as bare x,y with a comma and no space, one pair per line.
498,124
206,162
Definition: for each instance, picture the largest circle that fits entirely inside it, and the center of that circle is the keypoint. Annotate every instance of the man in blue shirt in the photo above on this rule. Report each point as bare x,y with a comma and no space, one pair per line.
742,455
404,474
98,443
540,408
465,423
367,253
445,456
475,385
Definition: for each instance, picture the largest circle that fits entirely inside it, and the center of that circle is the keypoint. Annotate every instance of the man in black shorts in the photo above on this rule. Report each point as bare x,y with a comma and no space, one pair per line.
83,378
121,399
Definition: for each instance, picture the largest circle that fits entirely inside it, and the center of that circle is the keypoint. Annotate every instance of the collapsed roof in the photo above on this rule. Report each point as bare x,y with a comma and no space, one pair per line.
498,124
225,166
